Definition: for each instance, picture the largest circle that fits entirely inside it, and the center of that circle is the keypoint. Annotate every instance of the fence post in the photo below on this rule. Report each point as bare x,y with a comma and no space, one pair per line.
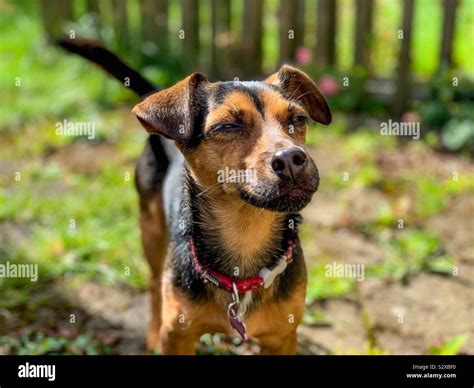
252,37
93,7
291,28
154,23
54,13
364,12
120,20
221,17
190,27
326,33
449,19
300,23
404,60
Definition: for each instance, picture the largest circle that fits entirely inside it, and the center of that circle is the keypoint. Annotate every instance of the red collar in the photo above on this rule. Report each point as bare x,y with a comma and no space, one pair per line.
263,280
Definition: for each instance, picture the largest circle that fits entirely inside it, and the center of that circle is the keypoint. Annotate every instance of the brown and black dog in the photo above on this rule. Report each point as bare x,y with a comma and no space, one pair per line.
223,245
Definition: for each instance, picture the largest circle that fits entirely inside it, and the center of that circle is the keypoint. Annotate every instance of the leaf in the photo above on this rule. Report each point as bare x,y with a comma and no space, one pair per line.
450,347
457,134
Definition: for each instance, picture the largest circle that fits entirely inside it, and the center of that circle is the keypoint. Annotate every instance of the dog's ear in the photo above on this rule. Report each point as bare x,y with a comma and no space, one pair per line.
172,112
297,86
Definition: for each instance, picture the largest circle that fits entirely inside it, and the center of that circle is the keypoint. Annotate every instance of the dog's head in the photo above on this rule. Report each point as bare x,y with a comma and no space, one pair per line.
243,139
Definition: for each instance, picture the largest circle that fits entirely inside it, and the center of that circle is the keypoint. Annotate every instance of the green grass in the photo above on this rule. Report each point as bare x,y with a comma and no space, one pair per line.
50,82
410,252
104,240
321,286
434,195
105,243
39,343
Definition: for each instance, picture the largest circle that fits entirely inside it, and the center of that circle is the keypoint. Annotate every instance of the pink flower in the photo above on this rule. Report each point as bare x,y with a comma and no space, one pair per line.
303,55
411,117
328,85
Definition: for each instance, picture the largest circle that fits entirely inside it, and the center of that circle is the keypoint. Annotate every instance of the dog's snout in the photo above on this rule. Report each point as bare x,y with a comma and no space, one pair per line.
289,163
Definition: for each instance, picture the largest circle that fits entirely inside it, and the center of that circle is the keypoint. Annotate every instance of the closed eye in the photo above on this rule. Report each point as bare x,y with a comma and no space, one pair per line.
227,127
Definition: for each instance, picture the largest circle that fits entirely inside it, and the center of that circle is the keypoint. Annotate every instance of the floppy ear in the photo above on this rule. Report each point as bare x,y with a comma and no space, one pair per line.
297,86
172,112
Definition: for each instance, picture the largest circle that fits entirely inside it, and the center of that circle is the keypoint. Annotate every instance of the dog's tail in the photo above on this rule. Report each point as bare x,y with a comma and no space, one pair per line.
155,154
96,53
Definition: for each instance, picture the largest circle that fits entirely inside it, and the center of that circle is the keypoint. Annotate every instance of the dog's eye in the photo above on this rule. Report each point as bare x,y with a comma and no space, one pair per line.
228,127
299,119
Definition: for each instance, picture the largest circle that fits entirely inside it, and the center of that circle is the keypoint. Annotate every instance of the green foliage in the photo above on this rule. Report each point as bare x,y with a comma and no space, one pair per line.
450,109
386,216
373,350
321,286
315,318
39,343
433,194
450,347
28,59
458,134
413,251
434,113
212,346
100,246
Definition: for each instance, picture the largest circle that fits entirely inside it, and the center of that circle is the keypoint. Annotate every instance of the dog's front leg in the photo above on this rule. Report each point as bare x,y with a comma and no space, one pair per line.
155,242
178,335
178,341
278,344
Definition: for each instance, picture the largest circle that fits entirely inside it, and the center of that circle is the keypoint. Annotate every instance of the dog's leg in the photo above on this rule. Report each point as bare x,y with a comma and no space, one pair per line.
280,321
154,237
279,344
178,334
178,341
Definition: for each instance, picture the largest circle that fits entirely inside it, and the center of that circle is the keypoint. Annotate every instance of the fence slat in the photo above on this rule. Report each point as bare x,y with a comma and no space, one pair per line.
154,23
326,33
300,26
252,37
54,14
120,20
291,28
190,25
93,7
449,19
221,16
404,60
364,12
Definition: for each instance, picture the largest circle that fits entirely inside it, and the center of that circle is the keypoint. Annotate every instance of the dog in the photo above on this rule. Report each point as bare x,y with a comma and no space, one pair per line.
221,180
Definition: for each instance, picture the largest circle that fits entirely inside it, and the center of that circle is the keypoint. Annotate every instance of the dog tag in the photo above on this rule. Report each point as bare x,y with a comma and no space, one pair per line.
237,324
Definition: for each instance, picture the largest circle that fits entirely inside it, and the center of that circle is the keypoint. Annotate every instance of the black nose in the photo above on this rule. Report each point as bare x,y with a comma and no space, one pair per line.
289,163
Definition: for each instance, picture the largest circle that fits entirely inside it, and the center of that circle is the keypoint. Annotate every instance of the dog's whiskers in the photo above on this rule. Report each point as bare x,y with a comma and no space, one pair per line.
207,190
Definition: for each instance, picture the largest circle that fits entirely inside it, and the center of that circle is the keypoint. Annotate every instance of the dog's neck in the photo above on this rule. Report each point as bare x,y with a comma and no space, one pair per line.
233,236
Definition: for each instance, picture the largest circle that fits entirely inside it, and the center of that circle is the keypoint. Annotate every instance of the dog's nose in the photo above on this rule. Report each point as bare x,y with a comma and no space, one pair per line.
289,163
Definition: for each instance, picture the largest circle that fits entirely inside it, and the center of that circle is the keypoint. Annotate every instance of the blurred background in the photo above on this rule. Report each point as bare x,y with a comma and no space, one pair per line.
401,207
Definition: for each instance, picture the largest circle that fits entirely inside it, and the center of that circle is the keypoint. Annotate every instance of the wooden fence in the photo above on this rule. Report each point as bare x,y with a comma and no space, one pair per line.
236,48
